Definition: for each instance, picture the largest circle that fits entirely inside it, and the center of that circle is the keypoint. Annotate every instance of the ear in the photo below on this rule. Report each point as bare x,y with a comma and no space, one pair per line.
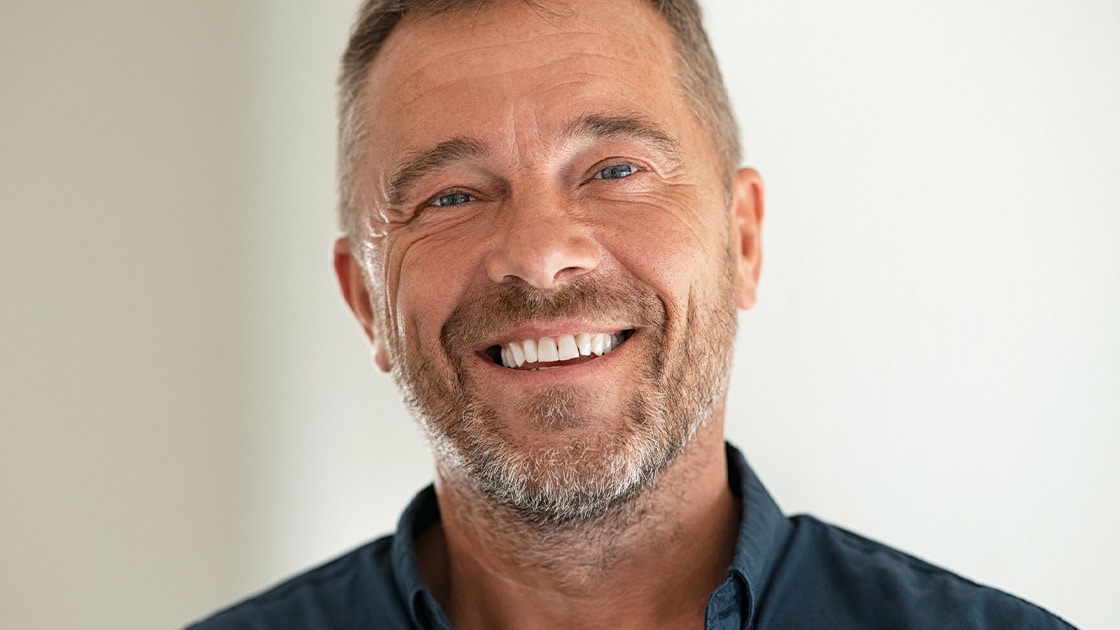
747,212
356,293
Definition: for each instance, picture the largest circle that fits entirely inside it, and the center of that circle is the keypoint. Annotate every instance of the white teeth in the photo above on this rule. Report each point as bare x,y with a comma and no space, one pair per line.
566,347
563,348
598,342
546,350
583,343
517,353
530,348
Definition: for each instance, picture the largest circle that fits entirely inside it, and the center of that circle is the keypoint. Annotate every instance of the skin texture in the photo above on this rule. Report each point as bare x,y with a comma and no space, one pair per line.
494,211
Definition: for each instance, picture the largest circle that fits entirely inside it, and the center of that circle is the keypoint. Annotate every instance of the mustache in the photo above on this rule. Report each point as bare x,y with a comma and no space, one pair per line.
503,306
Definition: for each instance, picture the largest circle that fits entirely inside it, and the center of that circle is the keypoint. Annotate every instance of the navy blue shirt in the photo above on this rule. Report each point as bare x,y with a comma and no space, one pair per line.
787,573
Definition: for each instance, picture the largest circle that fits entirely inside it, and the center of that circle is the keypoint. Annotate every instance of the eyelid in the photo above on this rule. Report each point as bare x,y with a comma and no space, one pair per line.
637,166
432,201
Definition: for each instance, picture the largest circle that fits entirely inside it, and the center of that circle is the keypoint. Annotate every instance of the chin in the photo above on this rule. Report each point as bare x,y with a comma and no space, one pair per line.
568,462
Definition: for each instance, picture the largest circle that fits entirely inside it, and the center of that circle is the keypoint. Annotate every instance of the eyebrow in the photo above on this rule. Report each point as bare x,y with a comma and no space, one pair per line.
591,126
423,162
635,128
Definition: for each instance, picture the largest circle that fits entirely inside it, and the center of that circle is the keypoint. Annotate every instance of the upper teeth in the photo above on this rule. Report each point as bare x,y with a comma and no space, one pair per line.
562,348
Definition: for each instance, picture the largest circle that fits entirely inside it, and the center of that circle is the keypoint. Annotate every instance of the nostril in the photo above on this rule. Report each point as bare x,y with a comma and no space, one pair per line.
567,272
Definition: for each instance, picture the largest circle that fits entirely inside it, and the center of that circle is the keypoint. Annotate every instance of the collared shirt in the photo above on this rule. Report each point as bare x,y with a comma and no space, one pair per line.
787,573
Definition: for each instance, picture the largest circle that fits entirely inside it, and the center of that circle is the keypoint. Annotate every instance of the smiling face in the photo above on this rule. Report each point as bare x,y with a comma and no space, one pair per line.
546,257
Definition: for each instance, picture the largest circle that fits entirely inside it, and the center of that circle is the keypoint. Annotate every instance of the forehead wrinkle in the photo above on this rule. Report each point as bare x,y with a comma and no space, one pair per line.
489,52
425,161
481,43
491,27
473,67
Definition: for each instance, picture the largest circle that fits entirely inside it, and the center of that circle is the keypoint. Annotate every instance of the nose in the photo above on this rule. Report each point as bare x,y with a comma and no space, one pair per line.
539,241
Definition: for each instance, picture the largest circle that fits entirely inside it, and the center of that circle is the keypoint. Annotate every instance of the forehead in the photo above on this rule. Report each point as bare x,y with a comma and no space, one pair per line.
446,73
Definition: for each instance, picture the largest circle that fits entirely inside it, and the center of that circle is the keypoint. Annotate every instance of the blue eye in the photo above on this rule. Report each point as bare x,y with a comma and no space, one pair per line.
615,171
452,199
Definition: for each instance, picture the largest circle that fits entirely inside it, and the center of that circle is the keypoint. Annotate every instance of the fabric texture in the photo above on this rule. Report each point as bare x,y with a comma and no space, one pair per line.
787,573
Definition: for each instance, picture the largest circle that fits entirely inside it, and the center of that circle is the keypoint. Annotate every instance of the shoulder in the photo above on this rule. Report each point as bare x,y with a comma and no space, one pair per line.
355,590
851,581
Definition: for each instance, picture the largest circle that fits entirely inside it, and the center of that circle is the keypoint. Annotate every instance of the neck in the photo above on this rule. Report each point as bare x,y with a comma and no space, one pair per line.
651,562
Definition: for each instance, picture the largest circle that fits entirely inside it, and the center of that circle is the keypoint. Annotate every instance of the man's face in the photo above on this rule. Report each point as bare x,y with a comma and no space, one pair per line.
551,255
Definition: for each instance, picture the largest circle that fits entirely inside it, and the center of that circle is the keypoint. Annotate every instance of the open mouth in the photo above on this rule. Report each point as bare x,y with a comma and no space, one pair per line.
553,352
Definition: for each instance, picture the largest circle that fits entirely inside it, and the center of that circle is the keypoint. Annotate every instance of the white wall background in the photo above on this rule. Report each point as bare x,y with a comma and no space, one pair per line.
189,414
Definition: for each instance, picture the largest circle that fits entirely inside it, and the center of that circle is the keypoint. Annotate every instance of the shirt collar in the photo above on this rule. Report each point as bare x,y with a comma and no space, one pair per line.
763,532
422,513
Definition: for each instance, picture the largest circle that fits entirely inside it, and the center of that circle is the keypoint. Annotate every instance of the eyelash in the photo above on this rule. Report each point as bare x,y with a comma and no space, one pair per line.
629,167
436,201
443,200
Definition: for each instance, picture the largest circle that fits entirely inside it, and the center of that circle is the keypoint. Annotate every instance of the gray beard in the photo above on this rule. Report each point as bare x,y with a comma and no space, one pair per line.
594,475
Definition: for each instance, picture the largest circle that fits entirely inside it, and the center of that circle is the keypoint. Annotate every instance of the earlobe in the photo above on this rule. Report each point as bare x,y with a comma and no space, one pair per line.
380,357
747,214
354,290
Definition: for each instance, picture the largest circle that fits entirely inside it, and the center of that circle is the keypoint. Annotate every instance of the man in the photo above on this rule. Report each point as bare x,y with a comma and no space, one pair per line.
547,240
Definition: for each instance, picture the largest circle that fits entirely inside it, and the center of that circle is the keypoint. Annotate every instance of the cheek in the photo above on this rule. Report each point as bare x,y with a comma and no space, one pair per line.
676,248
427,277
